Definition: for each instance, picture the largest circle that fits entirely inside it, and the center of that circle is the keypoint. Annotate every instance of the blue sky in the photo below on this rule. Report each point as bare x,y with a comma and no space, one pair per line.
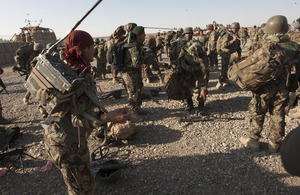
61,15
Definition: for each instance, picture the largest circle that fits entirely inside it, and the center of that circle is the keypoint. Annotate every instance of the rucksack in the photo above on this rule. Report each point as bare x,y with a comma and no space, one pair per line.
175,49
173,86
22,55
116,55
266,64
193,57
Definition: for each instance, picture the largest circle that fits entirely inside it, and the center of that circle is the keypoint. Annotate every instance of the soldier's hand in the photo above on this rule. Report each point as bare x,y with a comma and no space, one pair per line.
203,94
234,37
116,116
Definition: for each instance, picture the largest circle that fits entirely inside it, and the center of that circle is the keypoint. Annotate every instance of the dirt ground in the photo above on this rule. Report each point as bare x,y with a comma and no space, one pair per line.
173,158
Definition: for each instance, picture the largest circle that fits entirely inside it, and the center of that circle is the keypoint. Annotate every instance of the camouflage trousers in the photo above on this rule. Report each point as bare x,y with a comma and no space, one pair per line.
101,68
72,161
243,42
274,99
134,87
225,58
213,59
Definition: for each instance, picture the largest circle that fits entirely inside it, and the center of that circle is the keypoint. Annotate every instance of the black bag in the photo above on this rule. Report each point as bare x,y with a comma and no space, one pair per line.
116,55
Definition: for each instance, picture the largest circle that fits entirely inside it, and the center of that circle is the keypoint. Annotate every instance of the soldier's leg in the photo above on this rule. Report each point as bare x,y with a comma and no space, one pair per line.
103,70
223,75
277,115
73,162
258,108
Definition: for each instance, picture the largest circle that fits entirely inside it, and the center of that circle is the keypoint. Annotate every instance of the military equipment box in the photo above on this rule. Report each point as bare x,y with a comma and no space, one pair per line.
52,82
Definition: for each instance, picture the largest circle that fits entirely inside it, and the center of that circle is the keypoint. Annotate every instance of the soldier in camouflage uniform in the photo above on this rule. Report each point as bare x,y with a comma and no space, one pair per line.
203,39
66,137
31,62
117,37
230,47
100,55
211,48
159,45
243,34
191,73
179,34
274,95
176,46
134,58
151,62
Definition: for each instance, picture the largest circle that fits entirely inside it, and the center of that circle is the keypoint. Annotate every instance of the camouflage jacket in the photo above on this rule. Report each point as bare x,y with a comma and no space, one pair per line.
230,46
259,36
134,57
243,33
32,60
193,60
292,50
100,53
212,41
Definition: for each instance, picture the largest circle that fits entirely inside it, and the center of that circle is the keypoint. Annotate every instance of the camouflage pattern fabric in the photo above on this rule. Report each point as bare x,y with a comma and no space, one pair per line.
243,34
175,50
189,78
31,61
100,55
133,75
68,149
212,53
228,47
273,97
73,162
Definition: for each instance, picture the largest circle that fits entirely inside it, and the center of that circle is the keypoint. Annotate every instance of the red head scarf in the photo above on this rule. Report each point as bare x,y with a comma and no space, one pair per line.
76,42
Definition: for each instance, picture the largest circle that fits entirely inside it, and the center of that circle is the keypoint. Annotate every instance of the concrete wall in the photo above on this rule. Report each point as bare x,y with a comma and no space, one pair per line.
7,52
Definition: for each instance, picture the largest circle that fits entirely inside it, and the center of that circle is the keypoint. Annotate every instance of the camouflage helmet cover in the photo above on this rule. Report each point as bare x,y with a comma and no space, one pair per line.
277,24
180,30
235,25
188,30
210,27
130,26
38,46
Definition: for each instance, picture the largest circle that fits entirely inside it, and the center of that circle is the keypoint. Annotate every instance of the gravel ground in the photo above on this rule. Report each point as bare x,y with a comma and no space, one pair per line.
187,158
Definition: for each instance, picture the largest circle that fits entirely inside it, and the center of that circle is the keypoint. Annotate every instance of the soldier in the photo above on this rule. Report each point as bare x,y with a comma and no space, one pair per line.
100,55
179,33
253,32
211,48
151,62
202,38
159,45
193,70
117,37
274,95
132,76
66,137
243,34
230,46
31,62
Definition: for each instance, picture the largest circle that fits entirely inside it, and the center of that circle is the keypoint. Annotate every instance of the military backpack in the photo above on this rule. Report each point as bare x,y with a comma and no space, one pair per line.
266,64
22,55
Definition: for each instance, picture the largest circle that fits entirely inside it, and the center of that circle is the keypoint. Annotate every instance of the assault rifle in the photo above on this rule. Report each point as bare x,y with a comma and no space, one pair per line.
199,117
3,86
225,30
163,28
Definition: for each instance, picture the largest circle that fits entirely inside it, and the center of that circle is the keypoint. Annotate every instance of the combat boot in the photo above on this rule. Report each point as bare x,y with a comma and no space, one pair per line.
251,143
190,105
273,147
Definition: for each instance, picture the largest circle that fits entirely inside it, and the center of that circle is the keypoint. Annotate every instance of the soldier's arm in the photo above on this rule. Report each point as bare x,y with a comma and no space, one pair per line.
136,57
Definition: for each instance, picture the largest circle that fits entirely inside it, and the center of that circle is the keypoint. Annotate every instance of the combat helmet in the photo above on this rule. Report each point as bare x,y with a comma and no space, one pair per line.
188,30
180,30
263,25
38,47
235,25
109,175
96,40
298,20
130,26
210,27
277,24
